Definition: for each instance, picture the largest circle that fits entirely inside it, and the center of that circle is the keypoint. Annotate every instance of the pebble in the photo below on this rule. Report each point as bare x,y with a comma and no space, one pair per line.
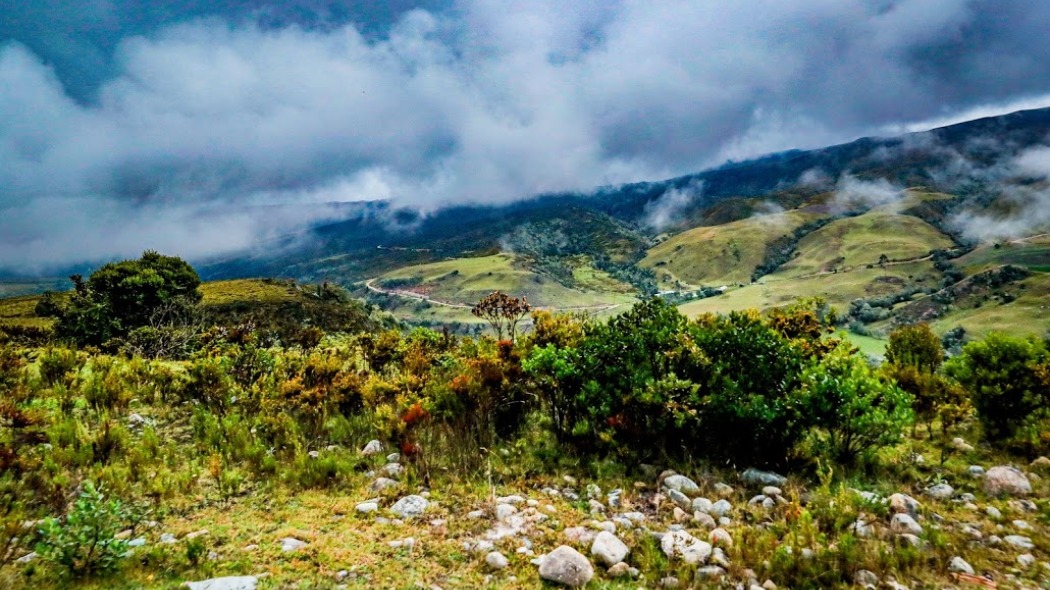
496,560
959,565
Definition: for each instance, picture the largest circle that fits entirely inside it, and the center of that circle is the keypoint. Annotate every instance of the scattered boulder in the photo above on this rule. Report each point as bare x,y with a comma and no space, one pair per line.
720,508
865,578
382,483
496,560
959,565
688,548
720,538
608,549
680,499
1002,480
1026,560
961,445
1019,541
681,484
975,470
366,507
619,570
1041,464
579,535
374,447
227,583
904,524
756,477
566,566
904,504
291,544
723,490
410,506
941,491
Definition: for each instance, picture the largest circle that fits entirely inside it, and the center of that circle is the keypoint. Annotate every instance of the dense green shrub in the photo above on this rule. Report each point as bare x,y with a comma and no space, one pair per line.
854,410
1003,375
83,542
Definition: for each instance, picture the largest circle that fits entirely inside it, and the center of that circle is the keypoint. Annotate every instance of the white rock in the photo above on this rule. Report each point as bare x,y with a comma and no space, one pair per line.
374,447
382,483
683,484
993,512
28,557
1019,541
475,514
1006,481
608,549
720,508
503,511
904,524
227,583
723,490
496,560
941,491
720,538
904,504
366,507
513,500
688,548
566,566
702,505
680,499
291,544
772,491
619,570
410,506
961,445
756,477
959,565
393,458
975,470
1026,560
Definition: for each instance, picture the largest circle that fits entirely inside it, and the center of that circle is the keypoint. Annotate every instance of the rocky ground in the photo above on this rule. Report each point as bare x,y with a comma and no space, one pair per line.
975,526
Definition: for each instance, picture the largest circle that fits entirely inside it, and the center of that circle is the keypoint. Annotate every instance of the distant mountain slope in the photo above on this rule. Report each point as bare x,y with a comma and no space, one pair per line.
376,238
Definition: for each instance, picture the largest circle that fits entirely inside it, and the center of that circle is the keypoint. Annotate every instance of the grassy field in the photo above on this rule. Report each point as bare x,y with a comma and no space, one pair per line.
869,345
15,288
463,281
1033,253
855,242
1028,314
837,289
720,255
19,311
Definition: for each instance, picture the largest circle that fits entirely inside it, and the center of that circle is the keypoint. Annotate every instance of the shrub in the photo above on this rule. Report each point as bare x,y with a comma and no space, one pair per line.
915,346
854,410
1002,375
83,542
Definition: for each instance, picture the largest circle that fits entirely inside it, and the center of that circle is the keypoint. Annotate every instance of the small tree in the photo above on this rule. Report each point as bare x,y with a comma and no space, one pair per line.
855,411
915,346
502,312
84,543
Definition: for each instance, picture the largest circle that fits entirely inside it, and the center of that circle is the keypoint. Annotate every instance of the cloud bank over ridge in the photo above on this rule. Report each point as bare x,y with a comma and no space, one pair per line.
206,116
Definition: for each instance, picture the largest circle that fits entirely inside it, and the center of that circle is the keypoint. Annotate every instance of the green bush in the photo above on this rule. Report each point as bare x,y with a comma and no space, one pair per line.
1003,375
83,542
854,410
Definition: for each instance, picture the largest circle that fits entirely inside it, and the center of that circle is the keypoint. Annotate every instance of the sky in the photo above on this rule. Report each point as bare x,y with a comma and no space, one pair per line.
202,127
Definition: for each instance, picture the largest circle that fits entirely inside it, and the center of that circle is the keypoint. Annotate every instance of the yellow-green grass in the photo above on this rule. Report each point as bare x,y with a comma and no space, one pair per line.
859,241
464,281
223,292
20,311
1033,253
720,255
838,289
868,345
1028,314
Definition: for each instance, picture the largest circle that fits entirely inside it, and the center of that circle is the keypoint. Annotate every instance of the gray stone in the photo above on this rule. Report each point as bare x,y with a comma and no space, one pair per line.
961,445
993,512
1019,541
366,507
1026,560
865,578
756,477
392,470
137,542
513,500
1002,480
704,520
496,560
374,447
723,490
579,535
410,506
682,545
292,544
720,538
382,483
710,572
701,505
680,499
167,538
683,484
608,549
975,470
28,557
862,529
566,566
941,491
720,508
772,491
227,583
619,570
959,565
904,504
904,524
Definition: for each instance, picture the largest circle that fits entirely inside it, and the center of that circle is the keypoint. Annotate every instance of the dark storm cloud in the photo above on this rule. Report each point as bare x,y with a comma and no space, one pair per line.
154,127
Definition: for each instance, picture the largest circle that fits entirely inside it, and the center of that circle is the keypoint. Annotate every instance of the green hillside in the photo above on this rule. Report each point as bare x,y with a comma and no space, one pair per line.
722,254
463,281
